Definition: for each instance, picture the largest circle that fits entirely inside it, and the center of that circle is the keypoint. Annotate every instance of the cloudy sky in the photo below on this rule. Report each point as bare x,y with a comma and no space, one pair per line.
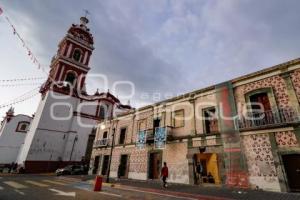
162,46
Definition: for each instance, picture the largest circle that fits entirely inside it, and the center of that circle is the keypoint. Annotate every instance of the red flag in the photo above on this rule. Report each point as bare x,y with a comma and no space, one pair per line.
1,11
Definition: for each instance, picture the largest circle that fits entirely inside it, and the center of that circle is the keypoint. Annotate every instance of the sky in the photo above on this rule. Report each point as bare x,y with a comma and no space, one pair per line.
164,47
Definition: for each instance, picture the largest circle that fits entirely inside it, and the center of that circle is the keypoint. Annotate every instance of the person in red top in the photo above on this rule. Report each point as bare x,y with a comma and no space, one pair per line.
165,174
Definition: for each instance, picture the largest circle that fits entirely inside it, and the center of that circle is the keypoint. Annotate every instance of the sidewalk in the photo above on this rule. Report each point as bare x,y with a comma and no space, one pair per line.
200,192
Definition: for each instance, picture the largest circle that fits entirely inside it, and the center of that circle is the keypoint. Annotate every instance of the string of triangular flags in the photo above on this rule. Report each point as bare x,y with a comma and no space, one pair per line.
32,57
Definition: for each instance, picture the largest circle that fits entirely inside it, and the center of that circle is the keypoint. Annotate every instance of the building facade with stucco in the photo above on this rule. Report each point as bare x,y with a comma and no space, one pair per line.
13,130
244,132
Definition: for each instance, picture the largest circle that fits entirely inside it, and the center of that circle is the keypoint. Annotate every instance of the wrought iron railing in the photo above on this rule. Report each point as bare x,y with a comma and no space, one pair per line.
266,118
151,133
101,143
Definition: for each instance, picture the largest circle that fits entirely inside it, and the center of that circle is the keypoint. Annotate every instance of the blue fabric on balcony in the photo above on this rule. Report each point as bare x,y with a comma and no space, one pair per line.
141,139
160,137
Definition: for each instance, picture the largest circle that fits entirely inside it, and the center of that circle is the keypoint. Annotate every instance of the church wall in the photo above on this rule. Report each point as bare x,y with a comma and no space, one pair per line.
31,133
82,128
11,140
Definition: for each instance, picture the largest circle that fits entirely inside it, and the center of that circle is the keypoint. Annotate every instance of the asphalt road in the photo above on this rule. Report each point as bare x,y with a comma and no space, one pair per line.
45,187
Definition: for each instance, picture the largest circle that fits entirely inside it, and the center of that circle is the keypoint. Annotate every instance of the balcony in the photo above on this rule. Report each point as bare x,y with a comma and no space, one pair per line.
101,143
269,118
150,134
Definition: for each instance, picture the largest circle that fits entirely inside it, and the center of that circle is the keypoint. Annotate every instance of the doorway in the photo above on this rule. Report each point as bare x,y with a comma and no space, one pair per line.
291,164
156,123
123,166
96,164
210,168
155,162
105,165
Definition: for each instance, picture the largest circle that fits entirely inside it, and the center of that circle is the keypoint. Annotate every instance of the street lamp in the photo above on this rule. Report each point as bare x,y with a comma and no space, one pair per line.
111,151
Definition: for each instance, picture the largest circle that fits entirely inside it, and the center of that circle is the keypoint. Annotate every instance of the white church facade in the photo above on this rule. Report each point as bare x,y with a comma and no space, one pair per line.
13,131
63,128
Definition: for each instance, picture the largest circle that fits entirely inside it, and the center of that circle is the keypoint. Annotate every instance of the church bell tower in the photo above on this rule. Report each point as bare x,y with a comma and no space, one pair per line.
71,62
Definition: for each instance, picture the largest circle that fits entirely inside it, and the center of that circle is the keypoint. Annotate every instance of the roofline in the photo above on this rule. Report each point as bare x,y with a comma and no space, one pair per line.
23,115
205,89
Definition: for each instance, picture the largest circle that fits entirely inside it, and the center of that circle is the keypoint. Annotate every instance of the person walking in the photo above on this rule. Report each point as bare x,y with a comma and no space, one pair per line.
165,174
199,171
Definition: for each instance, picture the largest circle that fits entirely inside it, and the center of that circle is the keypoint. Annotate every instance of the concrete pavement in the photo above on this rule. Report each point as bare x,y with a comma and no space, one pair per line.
50,187
36,187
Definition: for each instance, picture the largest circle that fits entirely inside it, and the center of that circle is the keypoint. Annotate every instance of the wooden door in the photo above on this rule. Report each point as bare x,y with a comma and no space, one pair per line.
291,164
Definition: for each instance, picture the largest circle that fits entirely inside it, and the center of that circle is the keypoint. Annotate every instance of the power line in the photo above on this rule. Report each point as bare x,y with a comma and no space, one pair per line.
19,84
19,101
21,96
22,79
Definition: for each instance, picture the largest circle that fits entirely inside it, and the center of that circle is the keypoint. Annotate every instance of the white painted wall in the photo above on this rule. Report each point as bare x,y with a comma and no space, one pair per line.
11,140
55,127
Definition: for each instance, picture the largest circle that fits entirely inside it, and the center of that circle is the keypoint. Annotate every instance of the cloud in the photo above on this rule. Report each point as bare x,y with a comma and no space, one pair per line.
168,46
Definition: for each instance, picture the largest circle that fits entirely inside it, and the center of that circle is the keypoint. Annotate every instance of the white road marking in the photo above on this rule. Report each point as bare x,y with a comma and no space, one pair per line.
54,182
15,184
37,183
21,193
115,195
62,193
1,188
68,179
157,193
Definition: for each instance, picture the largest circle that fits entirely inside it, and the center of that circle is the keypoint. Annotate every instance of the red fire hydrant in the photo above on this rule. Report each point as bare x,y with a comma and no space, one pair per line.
98,184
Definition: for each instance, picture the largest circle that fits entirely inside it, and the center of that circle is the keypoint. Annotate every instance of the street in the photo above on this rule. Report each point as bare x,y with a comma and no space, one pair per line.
48,187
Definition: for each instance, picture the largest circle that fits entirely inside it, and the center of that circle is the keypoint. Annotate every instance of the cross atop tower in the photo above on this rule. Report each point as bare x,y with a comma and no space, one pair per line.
86,12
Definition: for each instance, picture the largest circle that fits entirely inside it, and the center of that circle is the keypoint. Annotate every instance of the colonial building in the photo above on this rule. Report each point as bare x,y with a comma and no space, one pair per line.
12,135
245,133
62,130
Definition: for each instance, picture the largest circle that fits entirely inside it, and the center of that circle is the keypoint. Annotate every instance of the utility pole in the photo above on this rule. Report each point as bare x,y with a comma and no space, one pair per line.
75,139
111,151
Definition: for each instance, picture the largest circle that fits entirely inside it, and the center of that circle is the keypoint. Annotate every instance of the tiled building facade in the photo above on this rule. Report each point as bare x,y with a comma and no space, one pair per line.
267,142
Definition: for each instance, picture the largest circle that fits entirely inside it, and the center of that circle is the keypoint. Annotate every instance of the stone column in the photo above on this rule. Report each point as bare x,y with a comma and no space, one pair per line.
191,170
294,103
277,162
193,120
297,134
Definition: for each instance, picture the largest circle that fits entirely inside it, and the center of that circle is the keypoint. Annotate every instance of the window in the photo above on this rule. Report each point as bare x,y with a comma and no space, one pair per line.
122,136
142,125
210,120
260,101
22,127
102,112
70,78
178,118
105,135
77,55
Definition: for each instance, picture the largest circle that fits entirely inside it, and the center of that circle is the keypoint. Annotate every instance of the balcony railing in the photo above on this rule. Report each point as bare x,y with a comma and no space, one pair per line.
101,143
151,133
268,118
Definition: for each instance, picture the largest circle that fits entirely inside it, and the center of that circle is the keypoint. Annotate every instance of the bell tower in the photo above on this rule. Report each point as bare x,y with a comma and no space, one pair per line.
60,130
71,61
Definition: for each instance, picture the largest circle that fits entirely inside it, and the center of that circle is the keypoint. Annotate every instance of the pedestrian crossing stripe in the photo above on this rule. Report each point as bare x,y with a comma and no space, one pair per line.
15,184
37,183
68,179
54,182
